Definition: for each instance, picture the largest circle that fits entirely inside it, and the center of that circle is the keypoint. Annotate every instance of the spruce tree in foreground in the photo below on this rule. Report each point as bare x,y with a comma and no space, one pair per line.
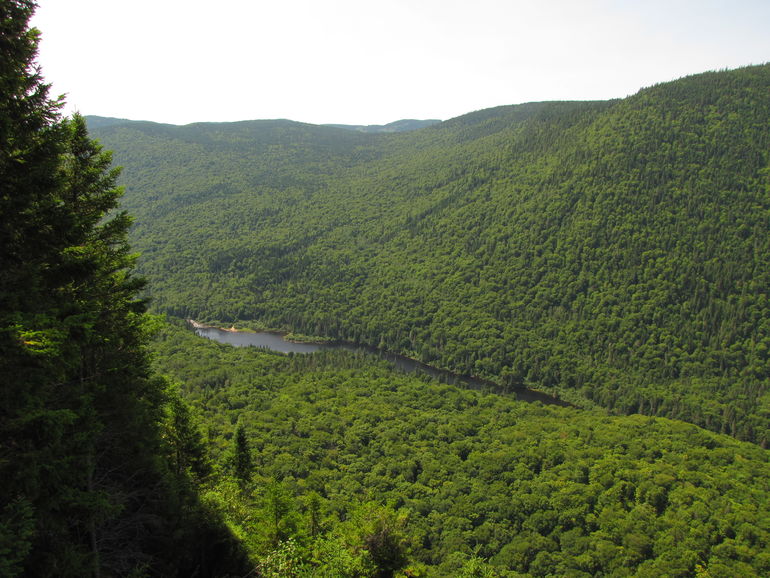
86,483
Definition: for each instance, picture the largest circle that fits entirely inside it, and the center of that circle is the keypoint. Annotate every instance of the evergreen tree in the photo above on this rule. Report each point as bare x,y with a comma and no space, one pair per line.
33,417
186,443
242,463
86,486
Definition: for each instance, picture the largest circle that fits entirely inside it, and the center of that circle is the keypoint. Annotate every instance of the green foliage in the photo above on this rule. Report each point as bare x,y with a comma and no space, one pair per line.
88,486
283,562
382,536
363,471
475,567
242,464
184,438
17,531
614,251
279,505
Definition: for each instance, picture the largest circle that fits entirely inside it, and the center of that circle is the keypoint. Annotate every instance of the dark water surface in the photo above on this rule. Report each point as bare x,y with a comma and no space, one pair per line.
276,342
272,341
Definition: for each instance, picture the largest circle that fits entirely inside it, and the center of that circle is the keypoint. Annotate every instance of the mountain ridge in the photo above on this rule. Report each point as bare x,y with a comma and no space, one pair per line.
402,125
610,250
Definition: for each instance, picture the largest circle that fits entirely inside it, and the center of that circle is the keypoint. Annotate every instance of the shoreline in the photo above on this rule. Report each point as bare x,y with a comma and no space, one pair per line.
284,334
197,325
523,393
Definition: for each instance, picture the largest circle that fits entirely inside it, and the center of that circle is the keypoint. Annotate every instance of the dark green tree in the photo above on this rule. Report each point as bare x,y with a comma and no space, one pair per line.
186,443
87,487
34,418
383,537
242,462
279,505
313,507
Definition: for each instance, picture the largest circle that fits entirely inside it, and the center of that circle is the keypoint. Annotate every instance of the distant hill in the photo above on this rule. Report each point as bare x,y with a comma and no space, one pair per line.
404,125
95,122
615,252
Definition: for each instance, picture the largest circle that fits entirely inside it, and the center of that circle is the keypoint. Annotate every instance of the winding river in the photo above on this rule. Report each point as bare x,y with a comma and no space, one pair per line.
276,342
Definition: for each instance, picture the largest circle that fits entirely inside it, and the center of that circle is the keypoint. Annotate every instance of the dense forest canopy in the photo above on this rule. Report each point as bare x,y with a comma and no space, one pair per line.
616,252
332,464
613,252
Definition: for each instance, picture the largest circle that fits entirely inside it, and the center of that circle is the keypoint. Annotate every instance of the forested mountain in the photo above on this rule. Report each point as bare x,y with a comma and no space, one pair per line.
614,252
617,251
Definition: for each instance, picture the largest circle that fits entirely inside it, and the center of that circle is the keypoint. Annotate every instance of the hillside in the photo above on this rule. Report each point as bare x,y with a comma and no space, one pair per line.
614,251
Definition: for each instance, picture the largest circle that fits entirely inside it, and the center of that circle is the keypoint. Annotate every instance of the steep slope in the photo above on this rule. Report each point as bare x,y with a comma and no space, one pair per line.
616,251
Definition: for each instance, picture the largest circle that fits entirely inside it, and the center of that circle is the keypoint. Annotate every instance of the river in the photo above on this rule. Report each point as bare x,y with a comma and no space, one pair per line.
276,342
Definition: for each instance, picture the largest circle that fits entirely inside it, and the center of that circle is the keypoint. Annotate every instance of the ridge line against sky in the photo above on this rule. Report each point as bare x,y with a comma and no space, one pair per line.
374,62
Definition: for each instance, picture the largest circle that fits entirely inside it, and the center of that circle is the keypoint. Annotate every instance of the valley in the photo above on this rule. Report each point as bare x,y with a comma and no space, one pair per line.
560,314
614,254
458,482
528,341
278,342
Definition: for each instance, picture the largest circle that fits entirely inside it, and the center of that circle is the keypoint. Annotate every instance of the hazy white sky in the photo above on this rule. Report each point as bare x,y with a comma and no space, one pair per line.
376,61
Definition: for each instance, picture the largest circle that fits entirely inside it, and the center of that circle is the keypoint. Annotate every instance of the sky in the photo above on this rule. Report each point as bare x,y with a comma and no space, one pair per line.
377,61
